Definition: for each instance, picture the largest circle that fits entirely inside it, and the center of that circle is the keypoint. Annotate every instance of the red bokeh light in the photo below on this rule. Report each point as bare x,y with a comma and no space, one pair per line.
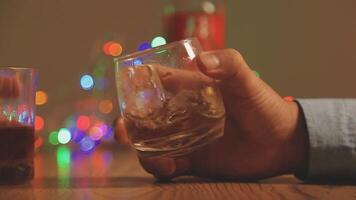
38,142
39,123
83,123
106,47
112,48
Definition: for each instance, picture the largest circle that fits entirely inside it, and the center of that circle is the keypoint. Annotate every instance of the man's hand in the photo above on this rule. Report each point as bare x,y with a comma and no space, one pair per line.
264,135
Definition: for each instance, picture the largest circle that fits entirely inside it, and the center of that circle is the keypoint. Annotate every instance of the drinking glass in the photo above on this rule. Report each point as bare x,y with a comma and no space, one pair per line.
17,113
169,107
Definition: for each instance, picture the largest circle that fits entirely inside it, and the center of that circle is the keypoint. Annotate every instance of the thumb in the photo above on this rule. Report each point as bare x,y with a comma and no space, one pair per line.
229,67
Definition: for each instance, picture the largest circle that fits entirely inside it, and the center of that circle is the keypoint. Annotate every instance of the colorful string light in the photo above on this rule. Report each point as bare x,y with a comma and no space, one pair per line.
158,41
144,46
137,62
106,47
115,49
53,138
38,142
105,106
95,133
208,7
39,123
112,48
63,164
41,97
87,82
77,135
83,122
64,136
86,144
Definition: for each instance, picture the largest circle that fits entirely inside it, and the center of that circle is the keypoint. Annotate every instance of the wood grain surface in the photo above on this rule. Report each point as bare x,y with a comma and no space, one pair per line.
116,174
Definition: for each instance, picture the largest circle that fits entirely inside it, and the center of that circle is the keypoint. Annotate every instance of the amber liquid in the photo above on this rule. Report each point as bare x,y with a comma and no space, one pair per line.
186,122
16,154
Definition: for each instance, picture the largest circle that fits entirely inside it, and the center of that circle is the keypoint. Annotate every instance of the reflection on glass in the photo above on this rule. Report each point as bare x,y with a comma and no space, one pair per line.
63,164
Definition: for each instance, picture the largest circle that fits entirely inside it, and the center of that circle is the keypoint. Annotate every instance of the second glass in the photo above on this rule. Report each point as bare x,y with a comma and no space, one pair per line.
169,107
17,111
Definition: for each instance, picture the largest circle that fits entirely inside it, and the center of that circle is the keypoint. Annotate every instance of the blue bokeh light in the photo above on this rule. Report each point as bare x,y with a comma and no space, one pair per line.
87,82
137,62
86,144
144,46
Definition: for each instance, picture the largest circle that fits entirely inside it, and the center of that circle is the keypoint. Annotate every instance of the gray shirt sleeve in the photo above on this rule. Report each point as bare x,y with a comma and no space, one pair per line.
331,125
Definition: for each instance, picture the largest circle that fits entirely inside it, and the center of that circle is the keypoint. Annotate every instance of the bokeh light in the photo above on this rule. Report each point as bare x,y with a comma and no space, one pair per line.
41,97
63,163
64,136
144,46
38,142
77,135
105,106
86,144
83,122
208,7
109,134
115,49
104,128
87,82
96,133
137,62
112,48
63,156
53,138
106,47
158,41
39,123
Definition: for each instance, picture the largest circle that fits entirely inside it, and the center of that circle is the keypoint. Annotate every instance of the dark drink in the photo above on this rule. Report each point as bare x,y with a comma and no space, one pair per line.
16,154
186,122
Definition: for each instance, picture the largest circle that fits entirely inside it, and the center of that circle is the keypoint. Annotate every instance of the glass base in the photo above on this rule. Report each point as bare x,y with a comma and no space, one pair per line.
16,174
181,143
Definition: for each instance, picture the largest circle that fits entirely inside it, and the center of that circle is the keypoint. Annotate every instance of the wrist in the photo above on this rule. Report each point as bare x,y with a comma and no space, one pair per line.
296,154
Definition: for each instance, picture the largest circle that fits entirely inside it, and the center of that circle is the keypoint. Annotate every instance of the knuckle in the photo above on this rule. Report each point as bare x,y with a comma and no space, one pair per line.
234,53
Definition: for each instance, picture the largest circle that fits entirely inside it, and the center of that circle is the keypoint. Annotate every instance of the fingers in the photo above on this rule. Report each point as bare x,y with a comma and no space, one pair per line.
175,80
120,131
229,67
166,168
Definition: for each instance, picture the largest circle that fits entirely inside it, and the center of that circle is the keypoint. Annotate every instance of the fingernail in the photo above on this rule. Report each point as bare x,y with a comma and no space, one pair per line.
210,60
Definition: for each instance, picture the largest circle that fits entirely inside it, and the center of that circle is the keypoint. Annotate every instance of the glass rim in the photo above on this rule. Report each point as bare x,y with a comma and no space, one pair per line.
154,49
15,68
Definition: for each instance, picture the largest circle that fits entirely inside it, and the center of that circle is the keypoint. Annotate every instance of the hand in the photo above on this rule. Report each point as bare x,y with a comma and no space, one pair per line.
264,135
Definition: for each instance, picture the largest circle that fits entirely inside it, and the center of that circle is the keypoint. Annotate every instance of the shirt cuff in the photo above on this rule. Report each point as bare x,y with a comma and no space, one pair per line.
331,125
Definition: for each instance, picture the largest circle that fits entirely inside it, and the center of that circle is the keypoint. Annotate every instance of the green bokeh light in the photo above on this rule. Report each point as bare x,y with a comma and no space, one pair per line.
63,156
158,41
53,138
64,136
63,164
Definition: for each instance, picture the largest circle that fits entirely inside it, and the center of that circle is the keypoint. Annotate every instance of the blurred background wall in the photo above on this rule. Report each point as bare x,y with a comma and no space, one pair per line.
301,48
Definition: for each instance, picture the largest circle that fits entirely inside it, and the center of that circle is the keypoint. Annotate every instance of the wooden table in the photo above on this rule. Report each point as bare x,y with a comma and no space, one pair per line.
114,173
